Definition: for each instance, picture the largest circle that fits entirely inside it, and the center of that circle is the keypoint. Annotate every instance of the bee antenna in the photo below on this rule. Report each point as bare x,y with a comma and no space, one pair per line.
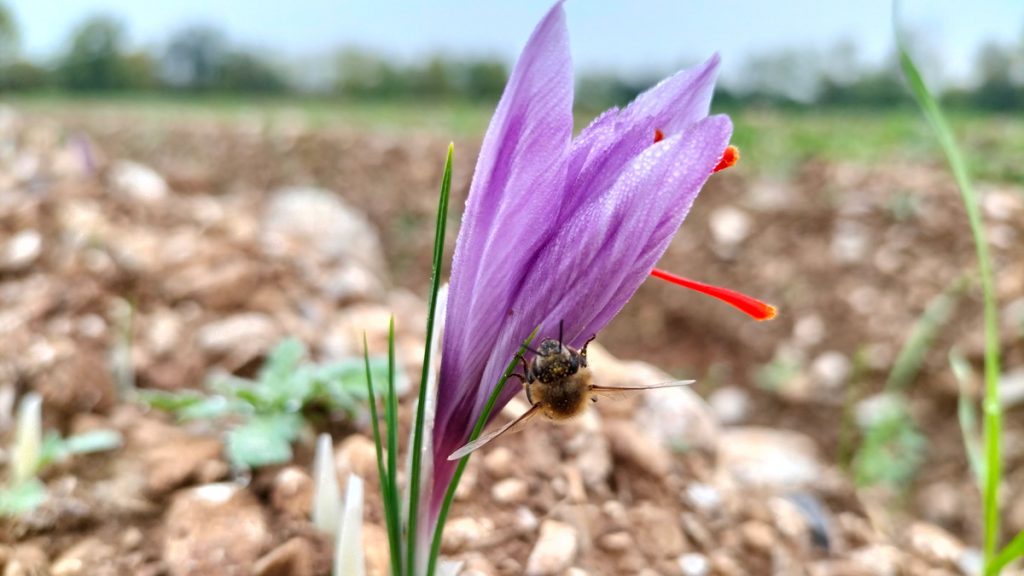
528,349
560,322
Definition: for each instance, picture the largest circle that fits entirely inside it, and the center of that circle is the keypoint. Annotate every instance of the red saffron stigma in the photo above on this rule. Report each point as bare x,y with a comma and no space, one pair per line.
751,306
729,158
658,135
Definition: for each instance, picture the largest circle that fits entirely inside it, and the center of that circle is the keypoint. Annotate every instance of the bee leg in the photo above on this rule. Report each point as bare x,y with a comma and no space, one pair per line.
583,351
526,370
589,340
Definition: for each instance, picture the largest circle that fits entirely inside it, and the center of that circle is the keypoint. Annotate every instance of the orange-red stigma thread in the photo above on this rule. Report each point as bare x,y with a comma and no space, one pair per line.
658,135
729,158
751,306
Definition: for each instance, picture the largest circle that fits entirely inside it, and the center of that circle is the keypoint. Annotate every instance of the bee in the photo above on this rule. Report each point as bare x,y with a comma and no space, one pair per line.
558,385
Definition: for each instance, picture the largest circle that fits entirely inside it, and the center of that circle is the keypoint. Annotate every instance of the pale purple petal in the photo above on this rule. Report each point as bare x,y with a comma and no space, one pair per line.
604,148
678,172
517,186
598,259
677,101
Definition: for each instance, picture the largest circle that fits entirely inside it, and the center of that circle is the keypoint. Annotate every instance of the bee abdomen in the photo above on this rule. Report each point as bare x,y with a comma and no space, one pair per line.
565,399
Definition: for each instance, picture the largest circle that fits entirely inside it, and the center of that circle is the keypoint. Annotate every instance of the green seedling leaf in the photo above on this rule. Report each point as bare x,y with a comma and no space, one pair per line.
263,440
51,450
22,498
282,362
57,449
170,401
228,384
213,407
891,452
95,441
343,384
299,390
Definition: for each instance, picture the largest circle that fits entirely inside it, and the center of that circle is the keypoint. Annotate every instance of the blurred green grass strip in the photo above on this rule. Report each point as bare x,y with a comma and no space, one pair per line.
936,314
775,141
967,415
992,406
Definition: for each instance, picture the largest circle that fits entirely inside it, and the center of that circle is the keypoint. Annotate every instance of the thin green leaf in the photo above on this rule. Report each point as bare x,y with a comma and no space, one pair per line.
391,417
936,314
891,451
282,362
22,498
435,285
51,450
387,487
992,406
1012,551
170,401
95,441
967,415
212,408
481,421
263,440
344,382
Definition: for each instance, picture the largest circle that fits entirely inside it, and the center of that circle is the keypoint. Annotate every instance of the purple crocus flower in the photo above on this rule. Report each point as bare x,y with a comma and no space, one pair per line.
562,229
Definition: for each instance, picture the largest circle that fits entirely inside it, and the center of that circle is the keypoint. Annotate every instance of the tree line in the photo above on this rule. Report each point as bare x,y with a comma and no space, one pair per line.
200,59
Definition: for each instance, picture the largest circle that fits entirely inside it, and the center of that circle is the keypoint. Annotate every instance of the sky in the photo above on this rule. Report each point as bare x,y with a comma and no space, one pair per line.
621,35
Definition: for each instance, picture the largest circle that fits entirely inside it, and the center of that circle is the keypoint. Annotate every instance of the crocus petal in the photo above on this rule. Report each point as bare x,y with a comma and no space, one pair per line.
677,174
601,151
677,101
520,178
597,260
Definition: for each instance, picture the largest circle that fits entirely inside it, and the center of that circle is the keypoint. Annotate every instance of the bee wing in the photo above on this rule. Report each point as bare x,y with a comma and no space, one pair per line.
612,391
513,426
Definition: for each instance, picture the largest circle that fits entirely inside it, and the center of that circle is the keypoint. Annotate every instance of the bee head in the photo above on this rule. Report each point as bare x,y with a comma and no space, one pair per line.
556,361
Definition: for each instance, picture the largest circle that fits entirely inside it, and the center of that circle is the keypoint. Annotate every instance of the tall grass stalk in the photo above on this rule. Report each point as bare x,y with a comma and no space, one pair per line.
992,407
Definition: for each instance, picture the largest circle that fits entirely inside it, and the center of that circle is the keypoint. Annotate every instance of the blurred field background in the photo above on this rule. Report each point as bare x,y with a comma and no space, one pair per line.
832,98
841,210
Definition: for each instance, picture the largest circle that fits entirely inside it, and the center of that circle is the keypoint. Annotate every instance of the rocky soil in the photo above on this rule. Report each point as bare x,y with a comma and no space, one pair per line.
143,256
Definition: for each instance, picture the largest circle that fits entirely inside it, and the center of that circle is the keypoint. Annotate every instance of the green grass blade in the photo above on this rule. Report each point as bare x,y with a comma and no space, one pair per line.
386,484
936,314
435,285
967,416
992,405
391,418
1012,551
481,421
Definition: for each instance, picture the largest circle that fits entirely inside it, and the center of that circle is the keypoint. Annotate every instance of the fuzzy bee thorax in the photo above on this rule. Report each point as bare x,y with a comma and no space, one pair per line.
555,362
